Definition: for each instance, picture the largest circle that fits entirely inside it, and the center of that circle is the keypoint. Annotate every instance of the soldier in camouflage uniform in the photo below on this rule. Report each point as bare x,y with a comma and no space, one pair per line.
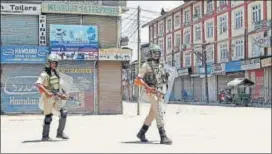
153,77
49,83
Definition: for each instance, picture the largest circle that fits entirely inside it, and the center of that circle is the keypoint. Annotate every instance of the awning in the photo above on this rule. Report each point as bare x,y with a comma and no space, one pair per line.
240,81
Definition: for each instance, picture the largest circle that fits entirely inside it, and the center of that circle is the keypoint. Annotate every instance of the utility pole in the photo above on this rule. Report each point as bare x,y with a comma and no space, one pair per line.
206,73
139,55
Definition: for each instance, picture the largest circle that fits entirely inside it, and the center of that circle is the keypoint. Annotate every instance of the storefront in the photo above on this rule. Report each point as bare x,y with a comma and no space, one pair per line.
196,84
211,83
20,70
185,82
110,79
221,78
267,66
20,24
233,70
255,73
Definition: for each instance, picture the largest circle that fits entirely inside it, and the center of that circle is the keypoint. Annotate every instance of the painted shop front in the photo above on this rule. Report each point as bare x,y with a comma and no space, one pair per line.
267,66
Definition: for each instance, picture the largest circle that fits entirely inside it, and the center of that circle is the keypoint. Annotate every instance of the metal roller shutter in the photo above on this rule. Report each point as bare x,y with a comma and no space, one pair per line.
63,19
19,30
197,86
110,87
107,29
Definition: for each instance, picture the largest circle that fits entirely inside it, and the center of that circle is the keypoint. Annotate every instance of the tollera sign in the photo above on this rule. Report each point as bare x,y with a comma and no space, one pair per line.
14,8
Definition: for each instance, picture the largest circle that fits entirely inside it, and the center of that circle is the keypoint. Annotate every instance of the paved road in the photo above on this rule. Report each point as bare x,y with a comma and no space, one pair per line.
194,129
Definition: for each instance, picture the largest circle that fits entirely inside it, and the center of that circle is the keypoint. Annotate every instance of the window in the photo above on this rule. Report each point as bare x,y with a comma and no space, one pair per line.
256,13
209,6
177,60
169,25
222,2
223,52
239,49
256,50
209,29
161,29
197,33
198,61
187,37
210,54
155,30
187,60
178,41
223,24
187,16
177,21
197,11
160,43
169,43
238,20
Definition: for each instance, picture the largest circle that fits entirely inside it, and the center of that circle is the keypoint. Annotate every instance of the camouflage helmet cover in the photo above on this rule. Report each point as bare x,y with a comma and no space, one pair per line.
152,49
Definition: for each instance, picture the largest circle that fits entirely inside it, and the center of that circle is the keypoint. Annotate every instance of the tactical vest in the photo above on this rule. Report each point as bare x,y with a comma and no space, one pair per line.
157,77
53,82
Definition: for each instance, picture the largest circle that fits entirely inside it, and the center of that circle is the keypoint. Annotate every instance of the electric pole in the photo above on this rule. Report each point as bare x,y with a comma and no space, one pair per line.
139,56
206,73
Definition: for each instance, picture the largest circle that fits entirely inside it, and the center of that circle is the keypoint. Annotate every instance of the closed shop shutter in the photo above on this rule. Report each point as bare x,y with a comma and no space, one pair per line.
83,88
187,88
110,87
62,19
18,94
19,29
107,29
197,89
177,89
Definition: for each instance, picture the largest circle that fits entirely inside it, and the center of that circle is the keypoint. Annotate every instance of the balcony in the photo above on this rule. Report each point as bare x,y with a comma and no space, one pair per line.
187,23
257,26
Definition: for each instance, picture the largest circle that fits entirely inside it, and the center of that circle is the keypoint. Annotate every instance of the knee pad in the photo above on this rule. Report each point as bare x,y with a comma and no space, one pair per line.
48,119
63,113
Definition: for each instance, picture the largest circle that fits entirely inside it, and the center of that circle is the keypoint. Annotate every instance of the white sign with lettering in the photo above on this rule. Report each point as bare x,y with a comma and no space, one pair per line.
15,8
42,30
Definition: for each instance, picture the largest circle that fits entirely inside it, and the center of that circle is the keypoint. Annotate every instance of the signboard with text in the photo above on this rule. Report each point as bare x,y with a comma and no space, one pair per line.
23,54
17,8
116,54
251,64
80,8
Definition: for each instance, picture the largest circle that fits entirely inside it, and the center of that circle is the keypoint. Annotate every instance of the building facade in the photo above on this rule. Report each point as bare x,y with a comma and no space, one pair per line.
96,66
240,32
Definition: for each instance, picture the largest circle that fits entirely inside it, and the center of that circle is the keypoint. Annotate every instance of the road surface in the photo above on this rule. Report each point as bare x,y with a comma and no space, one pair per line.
202,129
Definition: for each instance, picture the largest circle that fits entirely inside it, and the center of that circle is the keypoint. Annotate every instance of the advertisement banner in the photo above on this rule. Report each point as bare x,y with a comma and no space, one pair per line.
80,8
219,69
72,36
15,8
18,93
117,54
23,54
83,88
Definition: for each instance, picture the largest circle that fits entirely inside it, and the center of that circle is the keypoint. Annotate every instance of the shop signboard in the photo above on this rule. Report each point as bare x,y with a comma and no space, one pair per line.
183,71
234,66
251,64
116,54
202,71
80,8
74,42
23,54
266,62
219,69
22,9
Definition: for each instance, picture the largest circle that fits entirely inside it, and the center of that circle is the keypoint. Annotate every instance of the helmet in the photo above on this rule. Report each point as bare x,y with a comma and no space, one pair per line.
154,52
52,58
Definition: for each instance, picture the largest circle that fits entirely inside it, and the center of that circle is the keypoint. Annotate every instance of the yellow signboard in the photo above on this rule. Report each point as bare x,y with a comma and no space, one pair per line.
77,8
116,54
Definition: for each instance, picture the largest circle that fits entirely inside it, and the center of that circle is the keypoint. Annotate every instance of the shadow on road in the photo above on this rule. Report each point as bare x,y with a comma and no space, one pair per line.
139,142
38,141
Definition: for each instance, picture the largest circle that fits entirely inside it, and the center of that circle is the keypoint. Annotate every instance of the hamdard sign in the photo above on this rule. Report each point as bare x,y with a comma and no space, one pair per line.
15,8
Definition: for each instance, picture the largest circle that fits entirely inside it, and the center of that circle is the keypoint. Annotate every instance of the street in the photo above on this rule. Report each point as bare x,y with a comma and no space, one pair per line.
195,129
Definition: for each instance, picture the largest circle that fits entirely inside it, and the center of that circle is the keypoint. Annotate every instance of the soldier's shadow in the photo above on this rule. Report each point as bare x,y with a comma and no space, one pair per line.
139,142
38,141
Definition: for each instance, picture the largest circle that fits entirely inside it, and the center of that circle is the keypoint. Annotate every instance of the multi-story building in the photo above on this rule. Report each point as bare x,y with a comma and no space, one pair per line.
240,33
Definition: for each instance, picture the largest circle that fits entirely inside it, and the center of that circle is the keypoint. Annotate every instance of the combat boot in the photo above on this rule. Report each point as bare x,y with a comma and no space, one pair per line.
164,138
46,127
141,133
62,123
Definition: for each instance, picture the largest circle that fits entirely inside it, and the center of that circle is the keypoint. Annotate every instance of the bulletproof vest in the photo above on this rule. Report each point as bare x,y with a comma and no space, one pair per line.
157,77
54,82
